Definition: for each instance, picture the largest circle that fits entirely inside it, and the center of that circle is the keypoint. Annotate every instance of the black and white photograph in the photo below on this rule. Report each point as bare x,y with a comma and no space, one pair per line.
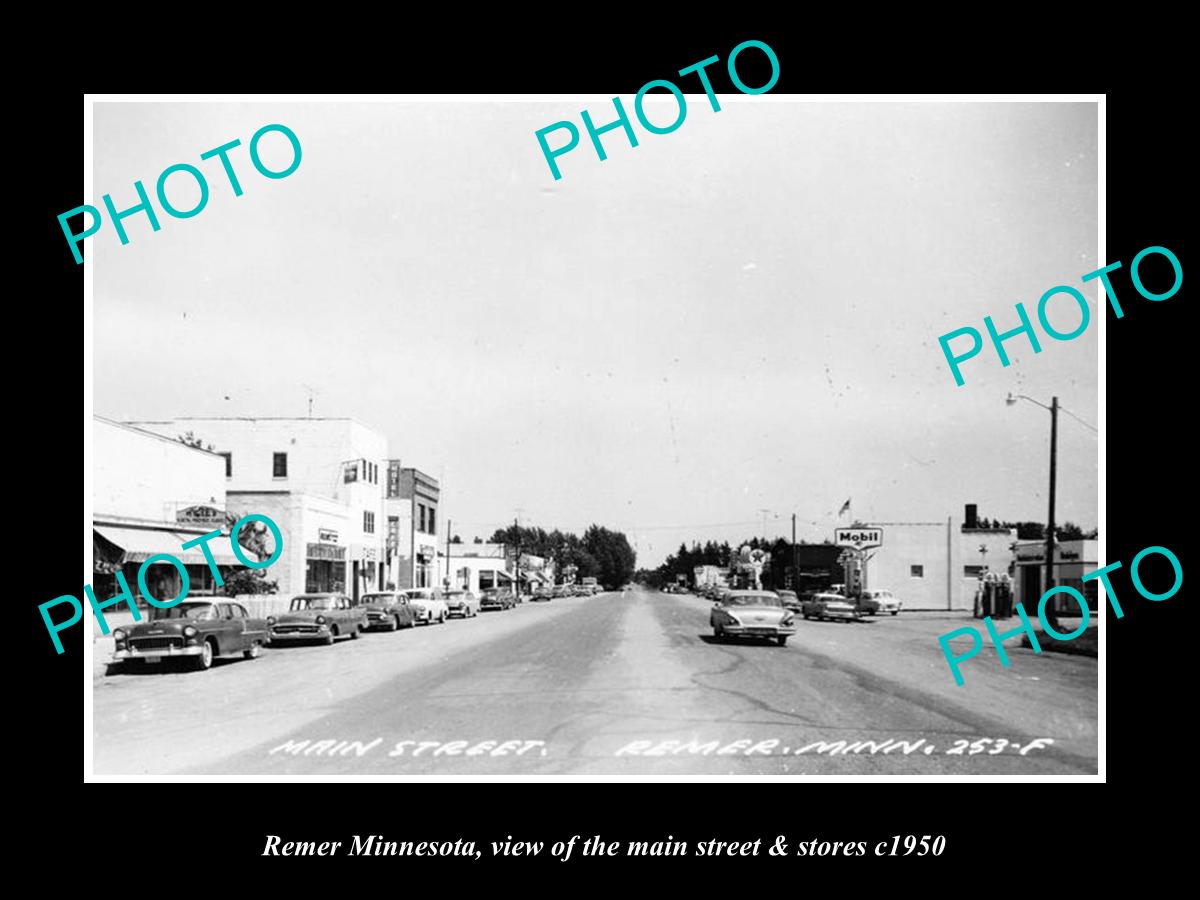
529,437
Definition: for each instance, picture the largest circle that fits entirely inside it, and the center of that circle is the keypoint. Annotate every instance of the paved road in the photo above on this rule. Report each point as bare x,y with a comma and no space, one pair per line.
621,684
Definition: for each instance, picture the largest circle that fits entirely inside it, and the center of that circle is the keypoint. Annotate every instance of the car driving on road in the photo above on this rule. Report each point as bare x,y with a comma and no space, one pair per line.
829,606
759,614
388,610
318,617
426,605
198,630
790,600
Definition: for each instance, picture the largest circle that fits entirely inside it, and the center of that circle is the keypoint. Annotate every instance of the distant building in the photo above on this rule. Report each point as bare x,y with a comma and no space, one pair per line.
1072,560
412,523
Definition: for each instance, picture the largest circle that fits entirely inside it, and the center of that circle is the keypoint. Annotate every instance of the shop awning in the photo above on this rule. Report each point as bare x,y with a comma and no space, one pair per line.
136,545
503,576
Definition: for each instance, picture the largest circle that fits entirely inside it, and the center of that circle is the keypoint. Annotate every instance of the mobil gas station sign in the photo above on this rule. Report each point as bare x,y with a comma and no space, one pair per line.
858,538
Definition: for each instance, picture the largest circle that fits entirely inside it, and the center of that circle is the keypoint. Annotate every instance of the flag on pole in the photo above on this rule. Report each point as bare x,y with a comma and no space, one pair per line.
845,507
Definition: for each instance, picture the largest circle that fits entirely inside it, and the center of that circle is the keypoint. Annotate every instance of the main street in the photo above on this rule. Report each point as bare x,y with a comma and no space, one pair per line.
623,683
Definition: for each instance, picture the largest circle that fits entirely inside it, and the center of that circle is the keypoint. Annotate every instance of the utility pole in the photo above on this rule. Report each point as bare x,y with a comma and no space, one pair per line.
1051,618
448,525
795,562
516,560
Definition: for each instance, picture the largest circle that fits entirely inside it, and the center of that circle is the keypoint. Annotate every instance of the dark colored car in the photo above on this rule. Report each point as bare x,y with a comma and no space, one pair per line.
829,606
318,617
388,610
497,598
865,604
199,630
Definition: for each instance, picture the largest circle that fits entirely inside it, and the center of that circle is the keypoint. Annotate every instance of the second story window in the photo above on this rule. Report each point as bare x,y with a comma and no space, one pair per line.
280,465
432,522
368,522
421,516
228,464
351,473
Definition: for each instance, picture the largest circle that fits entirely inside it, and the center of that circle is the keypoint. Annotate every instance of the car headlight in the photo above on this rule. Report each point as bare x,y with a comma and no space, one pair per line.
787,620
320,620
119,635
271,621
189,631
733,620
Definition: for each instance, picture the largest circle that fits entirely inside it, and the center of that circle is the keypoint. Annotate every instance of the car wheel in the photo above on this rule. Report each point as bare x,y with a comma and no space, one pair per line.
894,611
354,633
253,650
396,624
781,640
332,636
205,659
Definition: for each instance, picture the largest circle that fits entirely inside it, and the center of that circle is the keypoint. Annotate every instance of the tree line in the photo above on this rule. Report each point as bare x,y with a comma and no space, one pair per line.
601,553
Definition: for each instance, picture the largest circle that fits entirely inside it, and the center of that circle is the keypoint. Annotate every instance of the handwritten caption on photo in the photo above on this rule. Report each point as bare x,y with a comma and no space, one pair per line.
125,595
1026,627
776,747
1026,327
595,846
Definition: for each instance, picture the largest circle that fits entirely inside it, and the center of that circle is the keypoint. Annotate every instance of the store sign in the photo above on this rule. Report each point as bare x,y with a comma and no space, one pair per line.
858,538
206,516
393,478
327,536
370,554
326,551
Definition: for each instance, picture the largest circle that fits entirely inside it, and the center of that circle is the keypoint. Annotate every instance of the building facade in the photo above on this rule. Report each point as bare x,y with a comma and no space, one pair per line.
937,565
320,479
412,519
1072,560
151,494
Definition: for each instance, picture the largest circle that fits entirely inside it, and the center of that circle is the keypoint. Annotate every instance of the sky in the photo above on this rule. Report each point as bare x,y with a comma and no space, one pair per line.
692,340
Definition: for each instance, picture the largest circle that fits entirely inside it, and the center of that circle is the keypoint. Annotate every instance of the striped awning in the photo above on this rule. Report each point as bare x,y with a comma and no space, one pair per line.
120,545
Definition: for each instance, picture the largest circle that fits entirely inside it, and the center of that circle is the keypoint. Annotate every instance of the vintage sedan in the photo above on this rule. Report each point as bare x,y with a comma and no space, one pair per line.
318,617
198,630
459,603
829,606
884,601
388,610
497,598
757,614
427,605
542,592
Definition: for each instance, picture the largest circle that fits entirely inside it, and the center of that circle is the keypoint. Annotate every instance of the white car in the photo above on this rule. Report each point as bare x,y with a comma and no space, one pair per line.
887,601
426,605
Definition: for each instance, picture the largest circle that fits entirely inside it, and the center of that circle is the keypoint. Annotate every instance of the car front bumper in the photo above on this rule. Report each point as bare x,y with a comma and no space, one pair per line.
318,633
758,630
157,653
839,614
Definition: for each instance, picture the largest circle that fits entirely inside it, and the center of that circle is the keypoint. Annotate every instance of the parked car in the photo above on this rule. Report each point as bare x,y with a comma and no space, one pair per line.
562,590
865,604
497,598
542,592
459,603
318,617
198,630
388,610
886,601
829,606
426,605
790,600
752,614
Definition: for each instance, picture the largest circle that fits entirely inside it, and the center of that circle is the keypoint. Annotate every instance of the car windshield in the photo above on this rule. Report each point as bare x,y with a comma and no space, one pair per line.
186,611
378,598
312,603
751,600
416,595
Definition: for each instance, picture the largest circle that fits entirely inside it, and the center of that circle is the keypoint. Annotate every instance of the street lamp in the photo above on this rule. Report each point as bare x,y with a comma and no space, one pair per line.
1011,400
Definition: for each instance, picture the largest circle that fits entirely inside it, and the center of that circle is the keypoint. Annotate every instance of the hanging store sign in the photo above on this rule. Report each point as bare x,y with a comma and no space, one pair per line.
207,516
